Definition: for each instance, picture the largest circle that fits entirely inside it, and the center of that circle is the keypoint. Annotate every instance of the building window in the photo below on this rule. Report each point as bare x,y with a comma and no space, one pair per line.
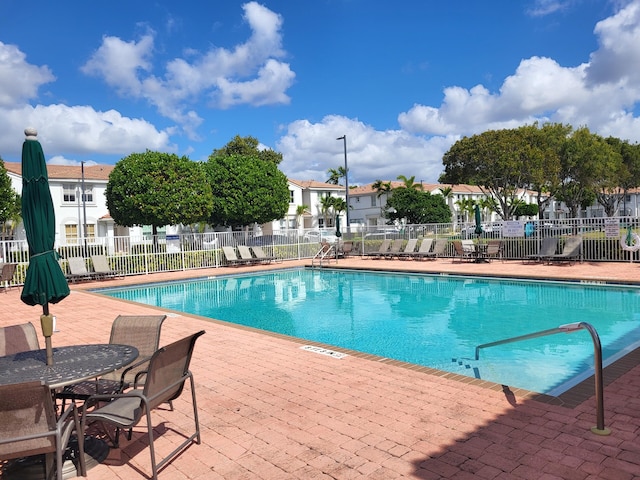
71,233
68,193
373,200
88,194
90,231
291,196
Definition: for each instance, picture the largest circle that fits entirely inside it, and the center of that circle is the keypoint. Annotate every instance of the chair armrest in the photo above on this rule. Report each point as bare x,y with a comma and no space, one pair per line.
130,367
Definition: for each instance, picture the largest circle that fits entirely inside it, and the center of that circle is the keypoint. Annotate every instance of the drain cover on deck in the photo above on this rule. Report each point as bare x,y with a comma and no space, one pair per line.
323,351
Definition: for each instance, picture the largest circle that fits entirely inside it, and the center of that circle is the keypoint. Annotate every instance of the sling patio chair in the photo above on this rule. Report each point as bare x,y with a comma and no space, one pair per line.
232,258
102,269
462,251
494,250
246,256
78,269
409,249
6,274
424,250
167,373
140,331
18,338
547,248
571,251
384,247
439,249
393,251
30,427
261,256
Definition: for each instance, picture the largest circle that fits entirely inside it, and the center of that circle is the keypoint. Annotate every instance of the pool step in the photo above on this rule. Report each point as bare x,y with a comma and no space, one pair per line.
462,366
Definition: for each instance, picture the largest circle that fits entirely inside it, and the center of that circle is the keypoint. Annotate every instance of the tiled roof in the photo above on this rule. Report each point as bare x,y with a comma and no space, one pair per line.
315,184
91,172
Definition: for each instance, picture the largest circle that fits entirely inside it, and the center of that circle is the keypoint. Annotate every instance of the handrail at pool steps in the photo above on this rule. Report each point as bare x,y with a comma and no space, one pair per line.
599,429
327,251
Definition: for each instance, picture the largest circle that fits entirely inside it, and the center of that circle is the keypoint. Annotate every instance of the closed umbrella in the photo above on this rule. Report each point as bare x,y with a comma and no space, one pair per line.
338,232
44,282
478,230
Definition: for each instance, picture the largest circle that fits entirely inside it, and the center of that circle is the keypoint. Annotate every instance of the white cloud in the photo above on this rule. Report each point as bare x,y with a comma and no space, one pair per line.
250,73
310,149
19,81
79,130
600,94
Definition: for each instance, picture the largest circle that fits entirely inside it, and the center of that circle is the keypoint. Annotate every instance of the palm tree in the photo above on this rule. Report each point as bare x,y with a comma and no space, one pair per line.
326,205
381,187
300,211
335,175
410,182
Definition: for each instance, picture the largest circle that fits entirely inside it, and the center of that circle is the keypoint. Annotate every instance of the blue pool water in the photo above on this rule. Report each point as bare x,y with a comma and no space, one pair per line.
435,321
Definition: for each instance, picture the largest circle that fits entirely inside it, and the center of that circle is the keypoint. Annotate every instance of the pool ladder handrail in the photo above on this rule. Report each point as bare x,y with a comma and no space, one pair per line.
327,252
599,429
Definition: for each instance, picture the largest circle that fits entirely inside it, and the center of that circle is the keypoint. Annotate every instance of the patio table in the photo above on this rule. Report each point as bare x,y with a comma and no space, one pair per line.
70,365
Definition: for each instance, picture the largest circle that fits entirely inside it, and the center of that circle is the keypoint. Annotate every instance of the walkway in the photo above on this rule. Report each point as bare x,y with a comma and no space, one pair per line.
270,410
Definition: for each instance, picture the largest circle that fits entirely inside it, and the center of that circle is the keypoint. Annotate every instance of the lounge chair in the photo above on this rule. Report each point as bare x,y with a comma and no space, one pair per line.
245,255
30,426
345,249
424,250
547,249
462,251
167,373
18,338
409,249
140,331
78,269
261,256
6,274
384,247
571,250
232,258
393,251
102,269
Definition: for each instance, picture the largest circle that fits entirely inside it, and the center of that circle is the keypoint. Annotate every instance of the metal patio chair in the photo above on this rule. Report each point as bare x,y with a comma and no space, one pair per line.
6,274
18,338
167,373
140,331
30,427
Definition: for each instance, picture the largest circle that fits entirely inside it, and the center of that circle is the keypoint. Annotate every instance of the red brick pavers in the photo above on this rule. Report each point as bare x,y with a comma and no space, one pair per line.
270,410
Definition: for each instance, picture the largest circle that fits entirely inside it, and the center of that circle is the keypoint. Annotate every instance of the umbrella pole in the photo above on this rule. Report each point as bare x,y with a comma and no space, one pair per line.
46,322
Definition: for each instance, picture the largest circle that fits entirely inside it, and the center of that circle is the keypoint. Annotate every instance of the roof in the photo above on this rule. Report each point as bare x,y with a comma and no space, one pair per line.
91,172
316,185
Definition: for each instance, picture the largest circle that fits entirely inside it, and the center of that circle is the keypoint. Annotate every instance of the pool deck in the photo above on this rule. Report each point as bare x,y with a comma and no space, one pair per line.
270,410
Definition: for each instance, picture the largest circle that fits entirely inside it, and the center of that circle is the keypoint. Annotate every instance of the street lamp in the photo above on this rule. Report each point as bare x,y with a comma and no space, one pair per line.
84,209
346,180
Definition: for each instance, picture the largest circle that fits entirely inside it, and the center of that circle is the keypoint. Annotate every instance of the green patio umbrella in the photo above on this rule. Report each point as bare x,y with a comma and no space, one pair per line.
338,232
478,230
44,282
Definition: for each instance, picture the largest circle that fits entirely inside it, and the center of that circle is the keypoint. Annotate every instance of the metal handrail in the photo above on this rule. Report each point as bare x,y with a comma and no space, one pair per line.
599,429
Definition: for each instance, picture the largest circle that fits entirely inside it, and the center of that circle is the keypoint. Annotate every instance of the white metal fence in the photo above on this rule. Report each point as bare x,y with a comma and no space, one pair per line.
601,242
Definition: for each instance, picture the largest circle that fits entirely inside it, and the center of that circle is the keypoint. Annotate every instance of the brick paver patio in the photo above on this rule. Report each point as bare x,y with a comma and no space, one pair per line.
270,410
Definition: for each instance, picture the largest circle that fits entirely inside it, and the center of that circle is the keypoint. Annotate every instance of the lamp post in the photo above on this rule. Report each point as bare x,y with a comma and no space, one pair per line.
84,210
346,180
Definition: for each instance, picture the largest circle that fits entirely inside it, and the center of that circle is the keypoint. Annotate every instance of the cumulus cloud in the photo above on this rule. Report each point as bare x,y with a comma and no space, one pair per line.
251,73
601,94
311,149
19,80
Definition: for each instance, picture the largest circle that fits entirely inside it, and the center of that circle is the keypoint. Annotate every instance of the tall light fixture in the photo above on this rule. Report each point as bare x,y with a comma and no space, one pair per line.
84,210
346,180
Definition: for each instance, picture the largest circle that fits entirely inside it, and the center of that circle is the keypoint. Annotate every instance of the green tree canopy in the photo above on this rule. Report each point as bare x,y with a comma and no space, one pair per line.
158,189
246,190
10,207
416,206
248,146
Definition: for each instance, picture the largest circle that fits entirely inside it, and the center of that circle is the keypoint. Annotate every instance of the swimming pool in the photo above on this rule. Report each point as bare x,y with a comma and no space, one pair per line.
431,320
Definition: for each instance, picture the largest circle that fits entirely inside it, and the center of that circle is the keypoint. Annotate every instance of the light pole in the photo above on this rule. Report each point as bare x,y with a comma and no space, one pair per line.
346,180
84,209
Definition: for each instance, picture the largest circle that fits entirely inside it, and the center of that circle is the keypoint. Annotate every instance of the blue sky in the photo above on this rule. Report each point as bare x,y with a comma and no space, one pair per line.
402,80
